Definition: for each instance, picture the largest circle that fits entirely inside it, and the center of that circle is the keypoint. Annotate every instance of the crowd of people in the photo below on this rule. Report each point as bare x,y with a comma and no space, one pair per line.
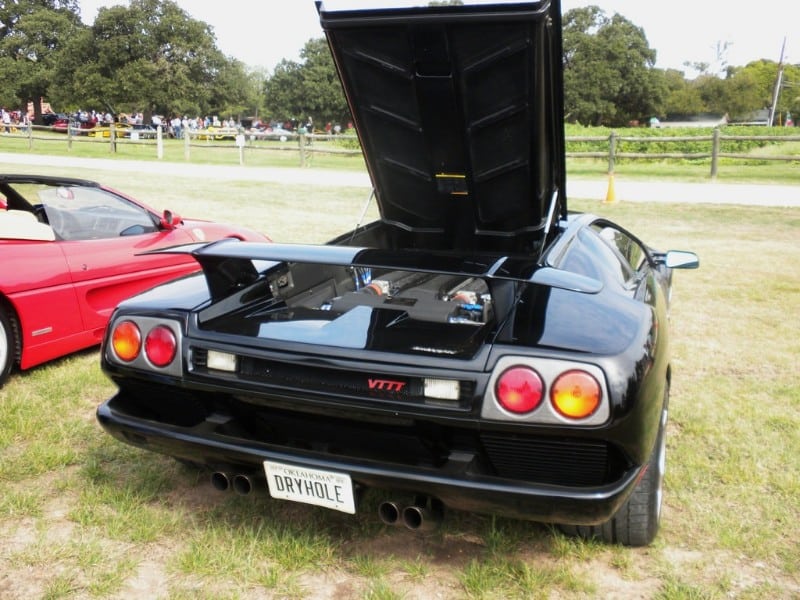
12,118
175,125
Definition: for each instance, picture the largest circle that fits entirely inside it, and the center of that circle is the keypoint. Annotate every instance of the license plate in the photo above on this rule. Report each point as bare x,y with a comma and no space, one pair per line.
329,489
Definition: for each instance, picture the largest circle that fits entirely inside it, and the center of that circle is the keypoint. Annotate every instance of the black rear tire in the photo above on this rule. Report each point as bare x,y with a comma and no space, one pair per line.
8,344
637,521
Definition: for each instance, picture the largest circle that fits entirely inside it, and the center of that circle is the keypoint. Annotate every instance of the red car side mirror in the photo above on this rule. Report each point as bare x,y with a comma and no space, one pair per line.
170,220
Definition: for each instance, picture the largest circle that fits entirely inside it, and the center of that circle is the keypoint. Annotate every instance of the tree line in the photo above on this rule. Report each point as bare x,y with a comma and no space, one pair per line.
153,57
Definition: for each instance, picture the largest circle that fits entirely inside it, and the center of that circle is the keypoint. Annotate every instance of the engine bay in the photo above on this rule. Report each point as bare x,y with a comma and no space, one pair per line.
422,296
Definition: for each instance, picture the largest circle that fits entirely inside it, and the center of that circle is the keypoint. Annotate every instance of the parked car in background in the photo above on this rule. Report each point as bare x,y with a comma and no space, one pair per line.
275,133
66,124
71,250
141,131
479,347
50,118
103,130
213,132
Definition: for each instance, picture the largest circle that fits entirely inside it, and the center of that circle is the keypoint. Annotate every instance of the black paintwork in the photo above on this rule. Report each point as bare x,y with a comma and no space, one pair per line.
310,328
293,398
460,113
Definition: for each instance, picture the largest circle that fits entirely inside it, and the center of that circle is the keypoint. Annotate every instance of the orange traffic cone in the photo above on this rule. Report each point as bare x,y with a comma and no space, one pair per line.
611,195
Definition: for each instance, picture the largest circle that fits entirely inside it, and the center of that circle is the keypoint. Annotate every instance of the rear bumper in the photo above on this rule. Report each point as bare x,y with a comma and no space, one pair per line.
453,483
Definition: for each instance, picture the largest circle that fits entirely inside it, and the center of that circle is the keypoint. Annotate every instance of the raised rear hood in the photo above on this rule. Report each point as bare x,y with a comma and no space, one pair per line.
459,110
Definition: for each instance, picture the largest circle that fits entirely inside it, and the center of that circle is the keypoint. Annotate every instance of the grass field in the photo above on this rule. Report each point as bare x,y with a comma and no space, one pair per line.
82,516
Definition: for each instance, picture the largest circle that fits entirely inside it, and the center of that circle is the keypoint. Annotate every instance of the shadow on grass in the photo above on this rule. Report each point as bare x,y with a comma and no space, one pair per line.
126,477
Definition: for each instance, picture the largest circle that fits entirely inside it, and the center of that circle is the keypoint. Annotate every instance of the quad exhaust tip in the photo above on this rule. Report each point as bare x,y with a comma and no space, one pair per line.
423,514
240,483
389,512
220,481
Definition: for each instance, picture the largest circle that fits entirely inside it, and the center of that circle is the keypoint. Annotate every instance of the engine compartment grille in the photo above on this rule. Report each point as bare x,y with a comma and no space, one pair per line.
555,461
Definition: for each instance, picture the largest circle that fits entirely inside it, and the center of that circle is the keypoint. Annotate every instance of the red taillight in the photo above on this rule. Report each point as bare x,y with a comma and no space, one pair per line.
575,394
160,346
126,340
519,390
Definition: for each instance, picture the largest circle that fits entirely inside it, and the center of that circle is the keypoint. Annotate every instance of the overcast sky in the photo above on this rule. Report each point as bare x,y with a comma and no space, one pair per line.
261,33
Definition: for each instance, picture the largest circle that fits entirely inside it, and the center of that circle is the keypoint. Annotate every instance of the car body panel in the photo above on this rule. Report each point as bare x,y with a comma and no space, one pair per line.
103,273
44,283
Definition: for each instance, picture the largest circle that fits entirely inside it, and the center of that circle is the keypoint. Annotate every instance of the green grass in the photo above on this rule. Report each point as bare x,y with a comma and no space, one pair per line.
260,153
83,516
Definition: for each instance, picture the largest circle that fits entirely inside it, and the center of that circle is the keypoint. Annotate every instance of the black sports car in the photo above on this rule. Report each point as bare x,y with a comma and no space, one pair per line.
478,347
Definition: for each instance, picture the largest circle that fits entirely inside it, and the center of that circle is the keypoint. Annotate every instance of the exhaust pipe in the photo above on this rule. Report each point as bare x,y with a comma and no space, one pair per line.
424,515
389,512
220,481
242,485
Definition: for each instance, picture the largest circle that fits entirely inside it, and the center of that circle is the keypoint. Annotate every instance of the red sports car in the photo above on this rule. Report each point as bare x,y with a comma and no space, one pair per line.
70,251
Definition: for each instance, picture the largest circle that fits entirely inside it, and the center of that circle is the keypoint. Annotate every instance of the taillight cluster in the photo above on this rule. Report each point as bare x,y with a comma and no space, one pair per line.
153,342
546,391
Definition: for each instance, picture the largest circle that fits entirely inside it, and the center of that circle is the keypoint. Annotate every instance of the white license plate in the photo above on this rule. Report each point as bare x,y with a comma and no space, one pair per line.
311,486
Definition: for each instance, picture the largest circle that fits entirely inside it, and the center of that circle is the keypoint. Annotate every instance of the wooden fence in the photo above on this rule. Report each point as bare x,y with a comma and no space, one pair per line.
714,152
116,137
306,145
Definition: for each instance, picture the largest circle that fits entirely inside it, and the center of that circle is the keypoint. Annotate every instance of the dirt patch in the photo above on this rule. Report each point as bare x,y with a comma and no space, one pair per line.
48,553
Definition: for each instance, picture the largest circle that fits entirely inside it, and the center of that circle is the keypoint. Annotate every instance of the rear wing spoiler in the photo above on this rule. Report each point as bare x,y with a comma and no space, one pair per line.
229,265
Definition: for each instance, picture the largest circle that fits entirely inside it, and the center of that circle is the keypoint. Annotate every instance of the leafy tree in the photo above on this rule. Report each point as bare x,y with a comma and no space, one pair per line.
280,91
149,56
682,96
789,98
742,91
739,94
12,12
309,88
711,90
32,37
762,74
609,77
235,92
255,98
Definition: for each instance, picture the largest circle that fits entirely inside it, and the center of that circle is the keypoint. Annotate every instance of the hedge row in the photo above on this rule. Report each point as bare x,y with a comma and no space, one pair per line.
683,145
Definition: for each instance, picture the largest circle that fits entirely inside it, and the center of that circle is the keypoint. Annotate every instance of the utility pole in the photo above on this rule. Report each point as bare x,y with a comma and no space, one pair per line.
777,91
